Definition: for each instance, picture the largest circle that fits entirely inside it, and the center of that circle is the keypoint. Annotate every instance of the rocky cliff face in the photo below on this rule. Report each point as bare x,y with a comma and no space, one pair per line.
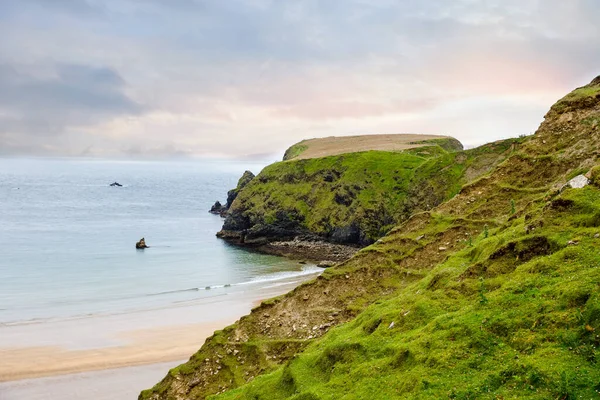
354,198
492,294
221,209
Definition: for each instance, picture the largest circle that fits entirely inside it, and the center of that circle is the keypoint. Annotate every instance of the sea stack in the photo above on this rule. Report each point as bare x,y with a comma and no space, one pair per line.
141,244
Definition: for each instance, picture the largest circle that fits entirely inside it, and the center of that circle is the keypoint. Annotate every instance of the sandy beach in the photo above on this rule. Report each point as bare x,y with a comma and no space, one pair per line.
149,338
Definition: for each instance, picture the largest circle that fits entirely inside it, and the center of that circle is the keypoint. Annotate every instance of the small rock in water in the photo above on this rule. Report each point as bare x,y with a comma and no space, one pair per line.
116,184
141,244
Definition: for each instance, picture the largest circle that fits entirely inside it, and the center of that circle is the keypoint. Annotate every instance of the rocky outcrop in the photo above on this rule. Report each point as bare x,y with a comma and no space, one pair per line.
351,199
117,184
242,183
220,209
141,244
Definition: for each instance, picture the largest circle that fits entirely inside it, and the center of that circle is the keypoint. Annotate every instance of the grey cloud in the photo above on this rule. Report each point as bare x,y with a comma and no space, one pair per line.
220,61
69,7
33,109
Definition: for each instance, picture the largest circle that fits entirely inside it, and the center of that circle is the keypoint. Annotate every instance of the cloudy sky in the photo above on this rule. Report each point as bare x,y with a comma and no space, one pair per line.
248,78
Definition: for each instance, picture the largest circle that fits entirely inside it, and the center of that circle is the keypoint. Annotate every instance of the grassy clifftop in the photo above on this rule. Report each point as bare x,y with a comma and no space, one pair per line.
493,294
330,146
355,198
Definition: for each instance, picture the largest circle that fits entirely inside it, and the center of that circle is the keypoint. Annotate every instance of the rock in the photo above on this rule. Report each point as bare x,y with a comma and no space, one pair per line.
391,325
346,234
579,182
597,235
141,244
442,248
218,209
221,209
116,184
420,237
326,264
242,182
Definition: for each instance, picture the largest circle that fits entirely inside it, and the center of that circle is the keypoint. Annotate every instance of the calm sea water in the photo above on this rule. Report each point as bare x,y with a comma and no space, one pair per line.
67,239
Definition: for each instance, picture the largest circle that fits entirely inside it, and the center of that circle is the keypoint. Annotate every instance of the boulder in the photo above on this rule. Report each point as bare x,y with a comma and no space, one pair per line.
116,184
141,244
218,209
580,181
327,264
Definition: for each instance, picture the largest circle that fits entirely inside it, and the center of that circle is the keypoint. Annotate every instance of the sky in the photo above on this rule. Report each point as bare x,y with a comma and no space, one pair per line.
248,78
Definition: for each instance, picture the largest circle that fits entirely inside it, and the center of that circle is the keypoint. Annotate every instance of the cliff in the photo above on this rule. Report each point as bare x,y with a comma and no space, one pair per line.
221,209
492,294
352,198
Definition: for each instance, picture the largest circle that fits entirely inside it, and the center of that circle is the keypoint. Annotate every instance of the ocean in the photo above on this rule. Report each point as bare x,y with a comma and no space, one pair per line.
67,238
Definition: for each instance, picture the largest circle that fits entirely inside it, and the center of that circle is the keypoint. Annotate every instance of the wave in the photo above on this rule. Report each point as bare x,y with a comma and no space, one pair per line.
273,277
276,276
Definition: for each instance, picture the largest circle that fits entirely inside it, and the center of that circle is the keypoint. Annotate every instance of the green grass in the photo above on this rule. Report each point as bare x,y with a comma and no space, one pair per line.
295,151
535,336
586,95
493,295
373,190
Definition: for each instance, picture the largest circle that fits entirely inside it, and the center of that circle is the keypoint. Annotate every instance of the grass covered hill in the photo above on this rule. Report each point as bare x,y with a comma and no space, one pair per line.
332,146
354,198
494,294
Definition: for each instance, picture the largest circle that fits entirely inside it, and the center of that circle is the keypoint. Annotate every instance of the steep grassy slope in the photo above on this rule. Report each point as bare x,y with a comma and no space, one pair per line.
325,147
493,294
353,198
511,315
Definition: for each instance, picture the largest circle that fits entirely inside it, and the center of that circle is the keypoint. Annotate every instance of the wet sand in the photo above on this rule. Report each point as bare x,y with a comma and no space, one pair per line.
112,384
106,342
143,347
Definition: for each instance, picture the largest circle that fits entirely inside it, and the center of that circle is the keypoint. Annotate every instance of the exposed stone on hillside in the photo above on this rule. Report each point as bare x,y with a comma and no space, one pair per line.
580,181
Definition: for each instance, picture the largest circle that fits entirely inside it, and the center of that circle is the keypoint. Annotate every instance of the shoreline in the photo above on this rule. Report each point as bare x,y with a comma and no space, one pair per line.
149,347
321,252
144,338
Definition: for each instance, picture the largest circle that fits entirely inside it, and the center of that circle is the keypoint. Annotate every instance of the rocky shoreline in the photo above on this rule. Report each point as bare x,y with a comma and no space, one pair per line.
325,254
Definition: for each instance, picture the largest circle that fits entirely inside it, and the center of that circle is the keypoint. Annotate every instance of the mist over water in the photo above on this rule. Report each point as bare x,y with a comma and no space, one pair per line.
67,239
